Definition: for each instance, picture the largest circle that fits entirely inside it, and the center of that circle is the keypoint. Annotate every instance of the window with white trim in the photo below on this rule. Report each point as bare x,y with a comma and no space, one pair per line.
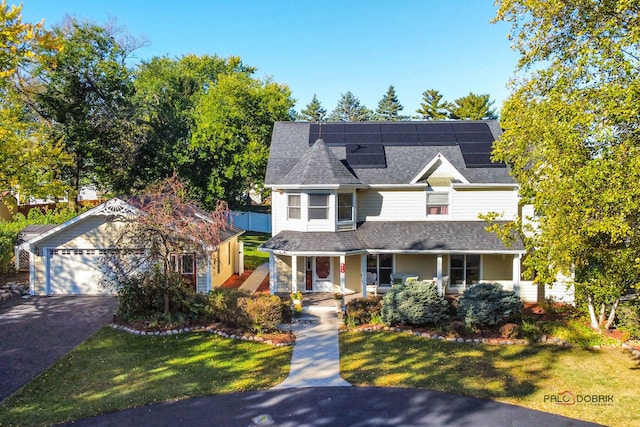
437,204
293,206
318,206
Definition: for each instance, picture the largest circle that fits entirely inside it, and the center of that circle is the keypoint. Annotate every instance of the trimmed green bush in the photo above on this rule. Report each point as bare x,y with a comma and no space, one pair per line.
628,314
264,312
488,304
416,304
223,307
362,311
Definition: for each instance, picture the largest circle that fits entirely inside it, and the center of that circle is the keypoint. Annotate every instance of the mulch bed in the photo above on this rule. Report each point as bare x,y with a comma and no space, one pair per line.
235,281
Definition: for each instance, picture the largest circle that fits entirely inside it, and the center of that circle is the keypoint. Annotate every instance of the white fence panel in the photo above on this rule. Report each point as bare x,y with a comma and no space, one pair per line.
252,221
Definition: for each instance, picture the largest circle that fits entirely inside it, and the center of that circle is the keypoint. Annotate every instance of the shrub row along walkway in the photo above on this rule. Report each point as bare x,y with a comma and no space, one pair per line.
316,357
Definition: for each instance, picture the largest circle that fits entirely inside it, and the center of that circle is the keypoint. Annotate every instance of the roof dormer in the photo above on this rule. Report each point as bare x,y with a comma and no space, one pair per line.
439,172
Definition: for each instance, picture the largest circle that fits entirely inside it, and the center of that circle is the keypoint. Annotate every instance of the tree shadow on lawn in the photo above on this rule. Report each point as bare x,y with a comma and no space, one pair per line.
479,370
115,370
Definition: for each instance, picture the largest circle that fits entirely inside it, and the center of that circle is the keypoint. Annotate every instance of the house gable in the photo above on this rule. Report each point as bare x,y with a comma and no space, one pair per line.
438,173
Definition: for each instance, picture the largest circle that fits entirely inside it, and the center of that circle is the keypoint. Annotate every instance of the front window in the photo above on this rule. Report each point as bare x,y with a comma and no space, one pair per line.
345,207
465,270
437,203
294,206
382,266
318,206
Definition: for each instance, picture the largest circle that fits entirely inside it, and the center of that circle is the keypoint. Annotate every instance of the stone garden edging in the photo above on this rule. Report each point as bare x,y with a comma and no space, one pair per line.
491,341
221,333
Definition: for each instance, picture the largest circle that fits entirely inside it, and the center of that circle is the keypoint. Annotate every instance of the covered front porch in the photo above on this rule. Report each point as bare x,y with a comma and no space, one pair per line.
376,272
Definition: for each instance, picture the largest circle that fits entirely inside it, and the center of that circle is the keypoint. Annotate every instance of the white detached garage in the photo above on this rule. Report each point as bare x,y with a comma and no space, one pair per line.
67,259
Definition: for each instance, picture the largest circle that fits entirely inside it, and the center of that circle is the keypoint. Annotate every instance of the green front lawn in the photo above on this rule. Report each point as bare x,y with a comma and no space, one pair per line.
115,370
521,375
253,258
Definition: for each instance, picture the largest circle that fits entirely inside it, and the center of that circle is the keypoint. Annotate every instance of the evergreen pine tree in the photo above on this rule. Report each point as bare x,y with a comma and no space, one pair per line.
313,112
472,107
349,109
432,107
389,107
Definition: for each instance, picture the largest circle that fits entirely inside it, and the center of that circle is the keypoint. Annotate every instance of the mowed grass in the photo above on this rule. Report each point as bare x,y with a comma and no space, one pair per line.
520,375
253,258
114,370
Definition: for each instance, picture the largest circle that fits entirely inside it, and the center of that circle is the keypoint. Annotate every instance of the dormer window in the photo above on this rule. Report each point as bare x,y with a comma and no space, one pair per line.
437,204
318,206
293,208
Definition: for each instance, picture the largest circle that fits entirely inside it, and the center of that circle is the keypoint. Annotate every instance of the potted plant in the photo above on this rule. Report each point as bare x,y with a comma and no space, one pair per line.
296,302
338,299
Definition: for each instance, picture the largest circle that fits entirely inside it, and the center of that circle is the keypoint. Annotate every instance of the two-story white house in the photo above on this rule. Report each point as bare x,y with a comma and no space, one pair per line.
366,203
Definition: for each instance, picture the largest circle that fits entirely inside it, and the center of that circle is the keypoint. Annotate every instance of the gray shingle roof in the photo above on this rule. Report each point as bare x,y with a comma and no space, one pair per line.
420,236
290,143
319,166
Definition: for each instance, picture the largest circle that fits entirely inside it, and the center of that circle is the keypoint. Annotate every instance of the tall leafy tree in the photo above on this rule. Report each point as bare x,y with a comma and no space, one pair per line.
29,161
349,109
167,90
432,106
573,142
313,111
229,146
472,107
168,222
389,107
86,97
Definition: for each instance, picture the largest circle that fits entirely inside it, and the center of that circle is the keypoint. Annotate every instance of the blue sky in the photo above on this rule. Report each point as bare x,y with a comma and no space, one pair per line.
323,47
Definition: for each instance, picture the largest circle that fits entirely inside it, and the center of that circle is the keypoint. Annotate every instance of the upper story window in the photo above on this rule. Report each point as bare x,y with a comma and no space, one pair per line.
293,209
345,207
318,206
437,203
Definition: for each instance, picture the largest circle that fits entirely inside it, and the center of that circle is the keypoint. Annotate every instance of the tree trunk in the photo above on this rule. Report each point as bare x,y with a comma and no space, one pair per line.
592,314
603,313
612,314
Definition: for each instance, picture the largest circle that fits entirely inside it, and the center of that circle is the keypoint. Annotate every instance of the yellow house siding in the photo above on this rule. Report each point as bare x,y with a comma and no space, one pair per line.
283,273
223,262
425,266
353,275
93,232
497,267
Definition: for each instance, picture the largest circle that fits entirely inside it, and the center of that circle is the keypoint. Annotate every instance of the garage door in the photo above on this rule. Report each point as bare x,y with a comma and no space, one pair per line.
75,272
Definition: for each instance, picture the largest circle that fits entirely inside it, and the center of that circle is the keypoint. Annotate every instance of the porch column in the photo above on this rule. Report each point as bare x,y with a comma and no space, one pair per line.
363,274
439,274
343,273
272,274
516,274
294,273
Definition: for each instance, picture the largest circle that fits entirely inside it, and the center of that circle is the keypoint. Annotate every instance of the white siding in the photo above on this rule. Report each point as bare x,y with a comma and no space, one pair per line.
389,205
466,204
281,222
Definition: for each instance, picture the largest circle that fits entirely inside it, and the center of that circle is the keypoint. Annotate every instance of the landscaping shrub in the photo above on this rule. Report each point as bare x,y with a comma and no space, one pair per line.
416,304
510,330
362,311
487,304
458,328
264,312
628,315
222,306
140,297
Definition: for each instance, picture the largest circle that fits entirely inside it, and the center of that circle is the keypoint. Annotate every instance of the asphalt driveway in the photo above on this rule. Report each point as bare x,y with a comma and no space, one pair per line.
36,332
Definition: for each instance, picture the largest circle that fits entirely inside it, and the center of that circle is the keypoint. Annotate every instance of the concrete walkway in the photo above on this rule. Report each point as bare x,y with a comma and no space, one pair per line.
316,357
255,279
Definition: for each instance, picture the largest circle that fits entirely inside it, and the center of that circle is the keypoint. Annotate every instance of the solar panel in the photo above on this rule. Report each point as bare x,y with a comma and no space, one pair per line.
433,138
364,142
364,161
474,136
363,138
433,127
406,139
470,127
365,149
